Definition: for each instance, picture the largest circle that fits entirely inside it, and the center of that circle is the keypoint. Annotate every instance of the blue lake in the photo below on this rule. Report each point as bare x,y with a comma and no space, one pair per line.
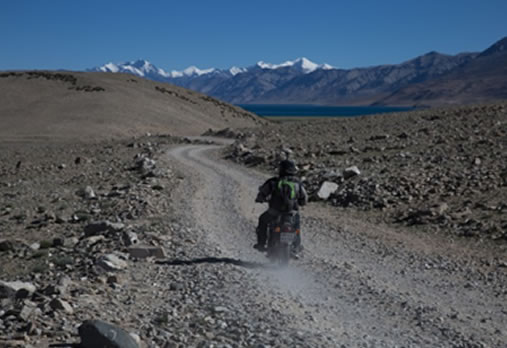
318,110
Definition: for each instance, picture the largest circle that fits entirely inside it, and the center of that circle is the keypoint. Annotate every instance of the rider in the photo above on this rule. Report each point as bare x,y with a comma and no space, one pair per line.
269,192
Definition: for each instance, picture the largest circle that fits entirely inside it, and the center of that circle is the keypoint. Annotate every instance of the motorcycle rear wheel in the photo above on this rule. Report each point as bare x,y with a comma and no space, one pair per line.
282,254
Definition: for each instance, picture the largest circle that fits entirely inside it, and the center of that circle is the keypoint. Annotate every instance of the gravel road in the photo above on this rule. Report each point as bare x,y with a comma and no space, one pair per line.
358,284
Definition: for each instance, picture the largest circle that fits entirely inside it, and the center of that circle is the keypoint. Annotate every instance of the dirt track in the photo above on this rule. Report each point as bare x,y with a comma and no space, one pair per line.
358,285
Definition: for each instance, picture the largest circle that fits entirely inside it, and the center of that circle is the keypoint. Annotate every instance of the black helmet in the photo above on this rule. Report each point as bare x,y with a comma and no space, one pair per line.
287,167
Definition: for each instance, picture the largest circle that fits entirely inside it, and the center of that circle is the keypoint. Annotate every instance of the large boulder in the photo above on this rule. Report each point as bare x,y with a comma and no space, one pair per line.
16,289
97,333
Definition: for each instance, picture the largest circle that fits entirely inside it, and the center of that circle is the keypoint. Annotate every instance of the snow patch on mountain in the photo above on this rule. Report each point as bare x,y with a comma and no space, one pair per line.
138,67
110,67
133,70
235,70
191,71
163,73
306,65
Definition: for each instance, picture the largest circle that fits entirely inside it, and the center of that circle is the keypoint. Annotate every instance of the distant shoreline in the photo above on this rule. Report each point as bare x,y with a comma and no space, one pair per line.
295,111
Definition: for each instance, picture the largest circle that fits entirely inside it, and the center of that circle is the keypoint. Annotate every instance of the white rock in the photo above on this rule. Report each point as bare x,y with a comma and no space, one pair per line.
326,189
89,193
242,149
90,241
350,172
220,309
111,262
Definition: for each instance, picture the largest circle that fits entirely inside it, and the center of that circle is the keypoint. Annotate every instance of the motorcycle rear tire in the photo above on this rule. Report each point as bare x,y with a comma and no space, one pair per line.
283,255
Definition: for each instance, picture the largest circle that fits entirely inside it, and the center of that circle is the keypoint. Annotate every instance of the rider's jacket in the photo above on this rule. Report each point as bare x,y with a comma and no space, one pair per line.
268,188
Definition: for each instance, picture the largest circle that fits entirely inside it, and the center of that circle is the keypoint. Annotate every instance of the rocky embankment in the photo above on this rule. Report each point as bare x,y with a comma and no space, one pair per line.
443,169
74,221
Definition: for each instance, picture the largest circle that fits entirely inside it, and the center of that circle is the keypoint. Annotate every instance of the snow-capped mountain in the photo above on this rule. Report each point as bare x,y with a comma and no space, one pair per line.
303,64
138,67
144,68
302,81
296,81
211,80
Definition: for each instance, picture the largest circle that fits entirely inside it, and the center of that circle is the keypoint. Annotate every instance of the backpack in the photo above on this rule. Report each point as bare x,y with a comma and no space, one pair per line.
286,189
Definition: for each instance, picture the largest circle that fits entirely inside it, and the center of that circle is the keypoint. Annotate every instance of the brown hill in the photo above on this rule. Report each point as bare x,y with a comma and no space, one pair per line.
483,79
82,106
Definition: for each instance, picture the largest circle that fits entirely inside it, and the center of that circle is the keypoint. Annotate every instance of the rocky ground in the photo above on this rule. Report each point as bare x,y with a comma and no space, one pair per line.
70,218
442,169
153,236
359,284
99,237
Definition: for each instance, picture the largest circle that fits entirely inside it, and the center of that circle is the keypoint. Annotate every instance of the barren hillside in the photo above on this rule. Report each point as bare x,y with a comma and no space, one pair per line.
481,80
93,106
440,169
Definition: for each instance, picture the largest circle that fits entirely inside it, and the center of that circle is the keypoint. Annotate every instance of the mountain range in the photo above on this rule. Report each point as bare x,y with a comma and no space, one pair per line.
430,79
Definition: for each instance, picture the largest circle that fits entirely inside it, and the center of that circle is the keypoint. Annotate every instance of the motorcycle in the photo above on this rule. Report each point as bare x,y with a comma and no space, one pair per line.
282,237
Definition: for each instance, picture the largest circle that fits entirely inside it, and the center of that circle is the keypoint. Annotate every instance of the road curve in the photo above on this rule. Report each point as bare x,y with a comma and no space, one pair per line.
359,284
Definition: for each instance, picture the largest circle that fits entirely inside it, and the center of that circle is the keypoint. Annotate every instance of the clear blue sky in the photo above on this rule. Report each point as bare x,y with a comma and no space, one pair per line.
66,34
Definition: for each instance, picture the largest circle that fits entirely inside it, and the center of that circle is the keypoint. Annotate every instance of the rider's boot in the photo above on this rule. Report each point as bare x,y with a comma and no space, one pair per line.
260,247
261,242
297,248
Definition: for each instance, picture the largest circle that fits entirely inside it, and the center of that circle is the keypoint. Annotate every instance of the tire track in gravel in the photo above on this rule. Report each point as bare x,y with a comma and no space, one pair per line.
363,291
